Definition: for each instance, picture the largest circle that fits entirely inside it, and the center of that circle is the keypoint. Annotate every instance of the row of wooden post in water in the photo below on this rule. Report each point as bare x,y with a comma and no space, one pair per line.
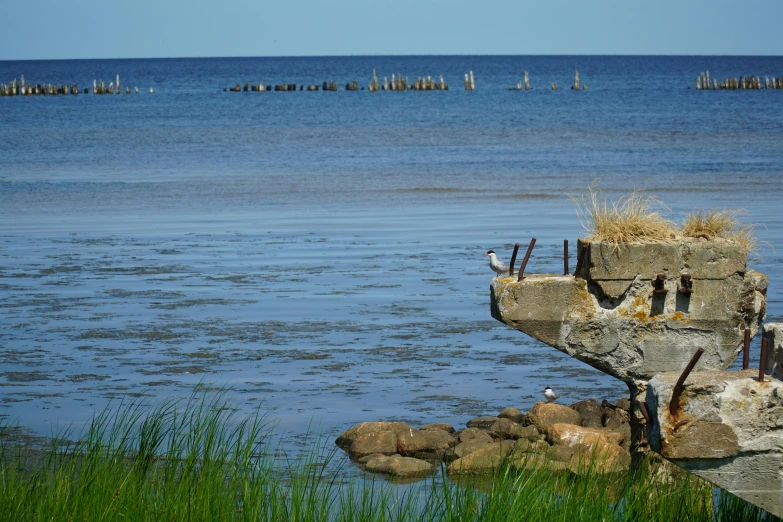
29,89
751,83
397,83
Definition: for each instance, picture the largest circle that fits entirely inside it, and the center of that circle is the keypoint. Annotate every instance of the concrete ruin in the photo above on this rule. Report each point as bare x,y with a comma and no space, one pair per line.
639,312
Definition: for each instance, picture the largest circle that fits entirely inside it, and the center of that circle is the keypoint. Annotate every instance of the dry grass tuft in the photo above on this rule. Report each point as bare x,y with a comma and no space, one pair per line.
629,219
711,224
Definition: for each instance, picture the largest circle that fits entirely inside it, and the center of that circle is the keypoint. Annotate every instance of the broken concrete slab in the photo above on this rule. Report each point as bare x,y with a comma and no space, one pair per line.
640,332
728,429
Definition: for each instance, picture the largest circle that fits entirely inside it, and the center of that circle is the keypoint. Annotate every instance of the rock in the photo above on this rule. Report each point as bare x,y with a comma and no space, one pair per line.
399,466
590,411
624,404
512,414
345,440
474,434
530,462
362,460
625,431
437,456
383,442
538,446
483,423
530,433
543,415
466,448
581,437
602,458
506,429
560,453
448,428
414,441
483,460
615,418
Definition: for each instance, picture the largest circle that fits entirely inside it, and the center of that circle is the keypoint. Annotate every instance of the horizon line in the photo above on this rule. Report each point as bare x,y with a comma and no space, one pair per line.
395,56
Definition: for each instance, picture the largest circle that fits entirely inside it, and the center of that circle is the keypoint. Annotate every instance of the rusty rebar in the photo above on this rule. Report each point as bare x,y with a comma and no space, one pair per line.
746,350
565,257
513,260
580,261
525,259
763,359
674,403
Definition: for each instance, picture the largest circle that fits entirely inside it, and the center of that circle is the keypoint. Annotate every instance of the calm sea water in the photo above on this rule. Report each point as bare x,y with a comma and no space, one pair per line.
321,254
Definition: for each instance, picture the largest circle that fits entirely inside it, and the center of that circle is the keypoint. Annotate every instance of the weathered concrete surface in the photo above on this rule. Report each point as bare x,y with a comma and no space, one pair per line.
773,333
728,430
614,321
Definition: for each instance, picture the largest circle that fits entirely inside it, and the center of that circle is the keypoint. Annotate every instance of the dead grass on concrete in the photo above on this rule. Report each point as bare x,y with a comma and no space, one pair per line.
711,224
633,218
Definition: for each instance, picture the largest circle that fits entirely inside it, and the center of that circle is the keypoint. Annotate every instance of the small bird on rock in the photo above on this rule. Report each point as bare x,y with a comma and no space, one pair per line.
498,266
550,395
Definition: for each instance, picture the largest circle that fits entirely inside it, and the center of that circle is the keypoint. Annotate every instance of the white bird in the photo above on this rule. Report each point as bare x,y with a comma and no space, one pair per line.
550,395
498,266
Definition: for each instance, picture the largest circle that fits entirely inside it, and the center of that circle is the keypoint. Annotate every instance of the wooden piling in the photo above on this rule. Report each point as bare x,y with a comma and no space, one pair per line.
576,80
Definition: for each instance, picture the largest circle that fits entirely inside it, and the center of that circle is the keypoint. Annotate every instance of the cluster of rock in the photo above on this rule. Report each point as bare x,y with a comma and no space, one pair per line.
585,435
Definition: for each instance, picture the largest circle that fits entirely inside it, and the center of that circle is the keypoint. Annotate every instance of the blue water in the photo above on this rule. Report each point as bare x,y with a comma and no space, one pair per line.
322,253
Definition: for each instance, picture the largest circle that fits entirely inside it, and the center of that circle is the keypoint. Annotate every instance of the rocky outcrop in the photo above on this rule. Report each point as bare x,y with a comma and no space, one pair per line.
390,447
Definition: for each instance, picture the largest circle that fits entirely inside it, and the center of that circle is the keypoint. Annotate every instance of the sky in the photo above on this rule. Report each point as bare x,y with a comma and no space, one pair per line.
68,29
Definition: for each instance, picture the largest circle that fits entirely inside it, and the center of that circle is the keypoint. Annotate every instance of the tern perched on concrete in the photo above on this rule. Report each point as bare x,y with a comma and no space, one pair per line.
550,395
498,266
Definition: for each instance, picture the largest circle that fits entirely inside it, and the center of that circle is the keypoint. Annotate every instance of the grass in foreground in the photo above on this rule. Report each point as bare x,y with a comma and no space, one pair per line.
197,461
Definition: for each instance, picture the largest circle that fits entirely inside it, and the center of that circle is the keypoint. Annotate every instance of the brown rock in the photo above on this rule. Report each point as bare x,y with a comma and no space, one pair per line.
506,429
560,453
483,423
414,441
579,436
399,466
613,419
530,433
530,462
602,458
590,411
383,442
512,414
448,428
624,404
474,434
543,415
625,431
483,460
466,448
345,440
539,446
364,459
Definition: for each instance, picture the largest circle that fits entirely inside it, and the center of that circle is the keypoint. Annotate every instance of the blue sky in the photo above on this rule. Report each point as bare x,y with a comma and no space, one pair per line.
49,29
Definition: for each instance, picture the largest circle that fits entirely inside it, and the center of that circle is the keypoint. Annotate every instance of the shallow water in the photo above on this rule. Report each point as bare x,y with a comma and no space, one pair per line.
322,253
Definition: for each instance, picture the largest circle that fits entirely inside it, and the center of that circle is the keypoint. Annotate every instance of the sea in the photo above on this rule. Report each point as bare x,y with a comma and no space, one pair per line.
319,256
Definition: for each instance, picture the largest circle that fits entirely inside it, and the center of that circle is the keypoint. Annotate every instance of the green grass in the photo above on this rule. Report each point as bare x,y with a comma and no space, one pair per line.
197,460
